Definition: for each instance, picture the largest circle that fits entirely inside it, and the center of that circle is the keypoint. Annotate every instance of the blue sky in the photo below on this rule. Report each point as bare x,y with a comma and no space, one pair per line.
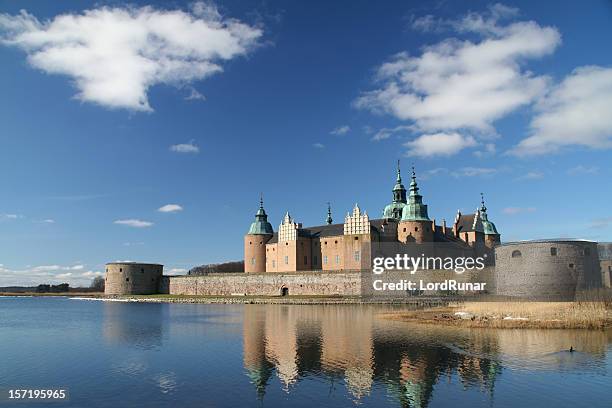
110,111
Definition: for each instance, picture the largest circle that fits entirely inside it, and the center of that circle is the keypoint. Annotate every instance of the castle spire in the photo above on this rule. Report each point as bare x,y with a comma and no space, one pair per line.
329,219
415,209
394,210
483,208
488,227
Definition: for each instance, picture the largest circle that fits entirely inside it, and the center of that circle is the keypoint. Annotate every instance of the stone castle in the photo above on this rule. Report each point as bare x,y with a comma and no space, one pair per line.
350,245
336,259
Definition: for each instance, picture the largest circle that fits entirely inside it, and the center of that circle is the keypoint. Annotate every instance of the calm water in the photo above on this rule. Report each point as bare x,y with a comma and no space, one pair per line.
111,354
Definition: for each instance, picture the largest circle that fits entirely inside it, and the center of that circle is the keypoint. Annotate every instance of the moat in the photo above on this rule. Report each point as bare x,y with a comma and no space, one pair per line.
110,354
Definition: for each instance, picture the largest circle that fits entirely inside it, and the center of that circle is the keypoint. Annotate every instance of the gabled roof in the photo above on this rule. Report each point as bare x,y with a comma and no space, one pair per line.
465,223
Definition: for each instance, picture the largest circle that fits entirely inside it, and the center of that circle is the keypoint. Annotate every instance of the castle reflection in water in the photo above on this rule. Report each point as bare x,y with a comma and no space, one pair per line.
352,350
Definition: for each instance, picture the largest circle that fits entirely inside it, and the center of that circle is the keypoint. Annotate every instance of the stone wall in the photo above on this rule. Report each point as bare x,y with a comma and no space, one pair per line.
340,283
546,269
265,284
129,278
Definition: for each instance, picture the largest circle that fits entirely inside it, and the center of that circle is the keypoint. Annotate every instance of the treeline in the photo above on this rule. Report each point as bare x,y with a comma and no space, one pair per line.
97,285
226,267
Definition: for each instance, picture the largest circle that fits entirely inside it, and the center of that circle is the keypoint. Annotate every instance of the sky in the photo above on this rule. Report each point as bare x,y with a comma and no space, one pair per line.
146,131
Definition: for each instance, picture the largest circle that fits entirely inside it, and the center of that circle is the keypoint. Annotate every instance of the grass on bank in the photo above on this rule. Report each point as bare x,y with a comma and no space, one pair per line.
545,315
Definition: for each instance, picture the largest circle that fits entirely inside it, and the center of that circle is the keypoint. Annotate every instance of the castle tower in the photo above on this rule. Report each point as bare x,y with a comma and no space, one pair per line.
415,225
395,209
492,237
255,242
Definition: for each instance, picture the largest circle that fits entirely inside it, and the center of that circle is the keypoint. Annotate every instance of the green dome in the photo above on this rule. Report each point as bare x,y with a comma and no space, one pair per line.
394,210
261,226
487,226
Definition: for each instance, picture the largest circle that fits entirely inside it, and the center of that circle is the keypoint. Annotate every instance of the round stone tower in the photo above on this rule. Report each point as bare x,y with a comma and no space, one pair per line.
415,225
255,242
131,278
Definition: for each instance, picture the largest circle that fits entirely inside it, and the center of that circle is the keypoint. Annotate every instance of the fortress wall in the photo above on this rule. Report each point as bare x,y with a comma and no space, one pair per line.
353,283
536,272
132,278
265,284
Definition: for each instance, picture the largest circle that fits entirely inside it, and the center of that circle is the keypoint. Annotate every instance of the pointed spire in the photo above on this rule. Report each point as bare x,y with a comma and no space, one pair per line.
399,173
482,203
329,219
414,188
261,200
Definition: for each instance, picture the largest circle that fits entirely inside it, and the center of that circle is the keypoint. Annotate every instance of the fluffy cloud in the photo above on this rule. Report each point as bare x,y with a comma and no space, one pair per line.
135,223
190,147
474,172
169,208
115,54
459,85
580,169
576,112
341,130
318,145
51,274
517,210
439,144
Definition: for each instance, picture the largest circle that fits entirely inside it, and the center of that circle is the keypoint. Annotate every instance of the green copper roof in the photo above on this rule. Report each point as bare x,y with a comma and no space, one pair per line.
415,209
261,226
395,209
487,226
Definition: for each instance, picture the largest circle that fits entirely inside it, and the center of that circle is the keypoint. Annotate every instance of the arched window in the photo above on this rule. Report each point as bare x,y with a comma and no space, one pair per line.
516,253
553,251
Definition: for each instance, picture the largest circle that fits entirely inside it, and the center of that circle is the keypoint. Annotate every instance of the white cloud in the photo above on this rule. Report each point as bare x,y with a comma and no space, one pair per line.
49,221
439,144
190,147
195,95
341,130
386,133
474,172
487,151
580,169
319,145
10,216
531,175
177,271
460,84
49,274
169,208
115,54
517,210
135,223
576,112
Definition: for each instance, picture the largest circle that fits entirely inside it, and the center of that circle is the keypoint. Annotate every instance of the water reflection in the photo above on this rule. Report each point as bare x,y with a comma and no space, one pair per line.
354,345
136,325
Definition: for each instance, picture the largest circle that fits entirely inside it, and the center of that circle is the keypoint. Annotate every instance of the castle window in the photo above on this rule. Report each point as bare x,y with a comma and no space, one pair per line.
404,229
260,242
553,251
356,255
250,242
335,242
286,243
516,253
120,269
253,261
286,260
127,279
305,260
571,265
141,270
416,229
356,238
337,259
325,260
325,242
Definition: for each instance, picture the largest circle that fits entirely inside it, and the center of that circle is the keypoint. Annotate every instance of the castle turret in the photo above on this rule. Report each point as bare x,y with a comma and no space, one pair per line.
395,209
255,241
492,237
415,225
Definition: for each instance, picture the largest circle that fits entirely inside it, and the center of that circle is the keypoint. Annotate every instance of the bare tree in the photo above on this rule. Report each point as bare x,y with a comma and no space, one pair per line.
97,284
